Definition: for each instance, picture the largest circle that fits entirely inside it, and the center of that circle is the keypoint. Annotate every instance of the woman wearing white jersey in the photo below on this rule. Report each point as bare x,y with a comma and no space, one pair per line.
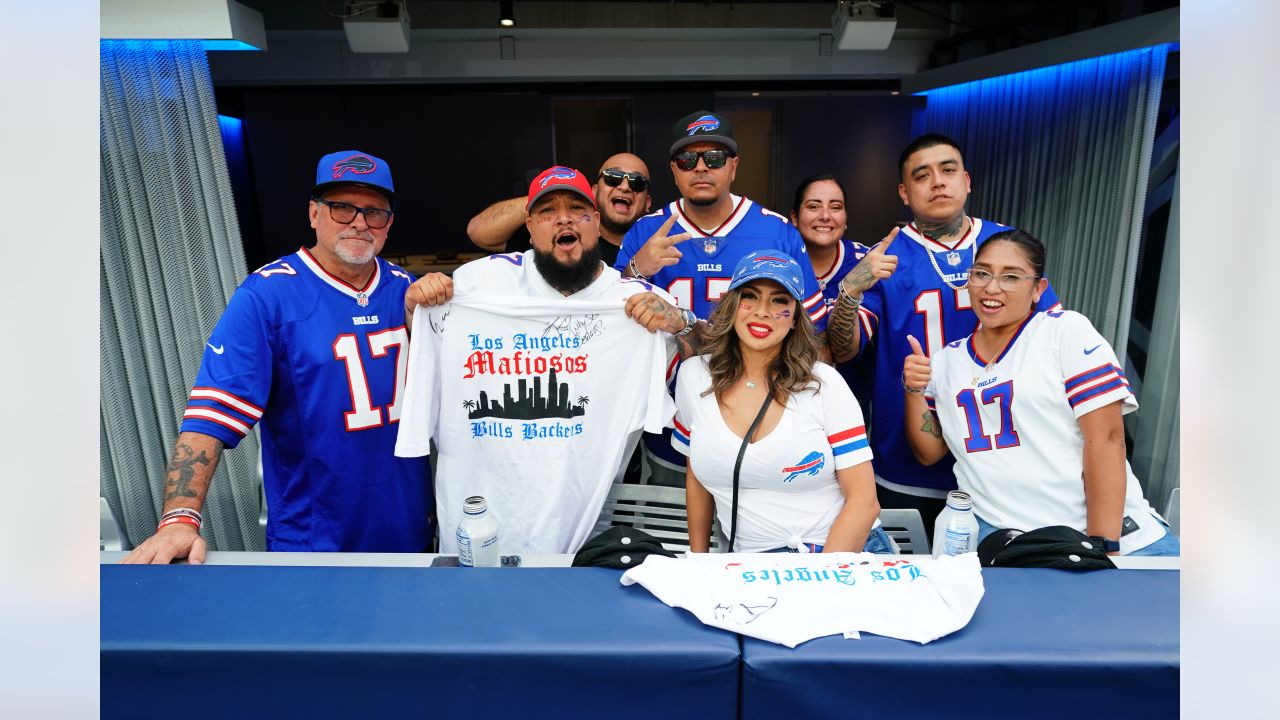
1030,405
805,481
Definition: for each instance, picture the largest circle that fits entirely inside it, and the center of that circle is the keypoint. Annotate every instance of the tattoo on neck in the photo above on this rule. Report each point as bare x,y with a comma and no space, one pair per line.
943,229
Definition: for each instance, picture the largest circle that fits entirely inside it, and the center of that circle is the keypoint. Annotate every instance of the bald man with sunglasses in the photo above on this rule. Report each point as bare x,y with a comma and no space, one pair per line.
622,195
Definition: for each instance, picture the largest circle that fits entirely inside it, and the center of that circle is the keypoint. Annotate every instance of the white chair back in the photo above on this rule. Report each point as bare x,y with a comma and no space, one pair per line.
110,535
659,511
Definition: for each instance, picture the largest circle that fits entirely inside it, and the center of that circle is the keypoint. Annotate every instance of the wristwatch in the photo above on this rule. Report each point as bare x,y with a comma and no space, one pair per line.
690,320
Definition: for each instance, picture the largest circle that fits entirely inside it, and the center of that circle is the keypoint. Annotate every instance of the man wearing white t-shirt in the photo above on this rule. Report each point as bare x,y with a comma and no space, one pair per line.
515,370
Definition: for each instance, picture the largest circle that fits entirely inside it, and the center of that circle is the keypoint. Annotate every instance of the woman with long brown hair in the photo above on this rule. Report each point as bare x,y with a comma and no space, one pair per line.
801,479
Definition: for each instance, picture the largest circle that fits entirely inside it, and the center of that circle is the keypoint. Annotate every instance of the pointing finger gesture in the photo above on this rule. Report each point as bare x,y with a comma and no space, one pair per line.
873,267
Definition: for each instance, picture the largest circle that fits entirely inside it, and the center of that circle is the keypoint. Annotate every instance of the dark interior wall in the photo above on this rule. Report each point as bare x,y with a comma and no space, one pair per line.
453,152
451,155
858,140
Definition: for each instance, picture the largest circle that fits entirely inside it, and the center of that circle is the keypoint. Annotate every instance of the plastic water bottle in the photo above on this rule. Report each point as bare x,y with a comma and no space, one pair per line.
956,530
478,535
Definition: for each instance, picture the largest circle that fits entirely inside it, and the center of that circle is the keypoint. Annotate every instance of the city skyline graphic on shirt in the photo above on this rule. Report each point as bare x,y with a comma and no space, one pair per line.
529,403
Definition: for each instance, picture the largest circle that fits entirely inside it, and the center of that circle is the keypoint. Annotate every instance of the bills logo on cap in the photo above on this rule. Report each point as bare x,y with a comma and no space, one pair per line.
558,173
810,464
771,261
706,123
358,164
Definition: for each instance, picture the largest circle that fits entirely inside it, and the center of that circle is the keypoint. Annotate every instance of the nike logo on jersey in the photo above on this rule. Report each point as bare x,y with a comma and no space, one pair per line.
1090,350
217,350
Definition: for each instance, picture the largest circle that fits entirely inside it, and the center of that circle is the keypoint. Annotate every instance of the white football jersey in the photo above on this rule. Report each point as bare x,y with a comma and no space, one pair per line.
1013,428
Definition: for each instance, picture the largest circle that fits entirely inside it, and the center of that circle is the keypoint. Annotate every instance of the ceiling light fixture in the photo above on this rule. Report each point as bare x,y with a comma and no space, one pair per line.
506,13
863,24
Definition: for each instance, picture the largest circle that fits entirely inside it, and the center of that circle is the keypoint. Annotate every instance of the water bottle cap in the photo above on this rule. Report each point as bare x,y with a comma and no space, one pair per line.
475,505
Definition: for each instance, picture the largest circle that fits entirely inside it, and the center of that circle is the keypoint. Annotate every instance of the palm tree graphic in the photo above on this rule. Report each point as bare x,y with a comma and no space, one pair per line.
583,400
469,404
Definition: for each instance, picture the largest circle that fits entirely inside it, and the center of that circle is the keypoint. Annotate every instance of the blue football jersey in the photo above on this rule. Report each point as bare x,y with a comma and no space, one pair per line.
322,364
917,300
704,271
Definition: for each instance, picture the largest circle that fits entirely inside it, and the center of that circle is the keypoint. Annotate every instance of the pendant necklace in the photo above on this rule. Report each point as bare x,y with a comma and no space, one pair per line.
938,269
751,384
978,374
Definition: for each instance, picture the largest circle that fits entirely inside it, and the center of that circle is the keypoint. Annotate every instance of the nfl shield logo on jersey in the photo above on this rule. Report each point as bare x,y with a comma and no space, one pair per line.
362,300
953,258
709,245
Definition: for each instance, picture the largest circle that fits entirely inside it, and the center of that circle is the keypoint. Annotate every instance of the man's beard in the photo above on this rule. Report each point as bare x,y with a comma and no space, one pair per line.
568,278
615,227
702,201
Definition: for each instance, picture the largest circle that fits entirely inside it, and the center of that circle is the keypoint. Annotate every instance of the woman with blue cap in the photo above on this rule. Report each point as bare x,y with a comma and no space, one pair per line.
776,442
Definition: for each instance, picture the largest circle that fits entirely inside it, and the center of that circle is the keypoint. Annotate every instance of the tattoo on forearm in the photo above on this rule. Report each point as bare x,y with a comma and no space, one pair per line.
931,425
691,345
182,470
858,279
942,229
842,332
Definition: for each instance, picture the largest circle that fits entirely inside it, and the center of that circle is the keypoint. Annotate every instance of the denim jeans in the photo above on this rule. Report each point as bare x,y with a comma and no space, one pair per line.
1166,546
878,542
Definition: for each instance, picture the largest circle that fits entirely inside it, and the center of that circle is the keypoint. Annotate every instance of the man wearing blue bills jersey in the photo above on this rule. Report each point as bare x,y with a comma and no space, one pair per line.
690,247
314,346
914,282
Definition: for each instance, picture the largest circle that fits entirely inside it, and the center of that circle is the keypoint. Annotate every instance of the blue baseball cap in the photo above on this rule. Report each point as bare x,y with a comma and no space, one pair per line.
772,265
352,167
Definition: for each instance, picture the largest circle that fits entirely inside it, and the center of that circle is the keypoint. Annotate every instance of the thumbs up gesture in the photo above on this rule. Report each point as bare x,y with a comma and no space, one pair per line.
915,368
659,250
874,267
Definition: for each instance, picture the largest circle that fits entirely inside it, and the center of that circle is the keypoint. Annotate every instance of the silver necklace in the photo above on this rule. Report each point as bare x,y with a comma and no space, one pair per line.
938,269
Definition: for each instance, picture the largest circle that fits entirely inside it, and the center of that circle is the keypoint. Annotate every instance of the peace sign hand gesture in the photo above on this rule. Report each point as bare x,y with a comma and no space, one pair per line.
659,250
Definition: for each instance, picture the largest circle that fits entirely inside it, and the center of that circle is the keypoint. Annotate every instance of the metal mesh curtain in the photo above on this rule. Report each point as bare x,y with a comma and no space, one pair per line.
1064,153
171,257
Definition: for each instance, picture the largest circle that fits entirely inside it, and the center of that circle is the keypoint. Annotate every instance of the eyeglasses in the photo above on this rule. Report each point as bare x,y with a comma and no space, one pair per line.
345,213
715,159
613,177
1007,281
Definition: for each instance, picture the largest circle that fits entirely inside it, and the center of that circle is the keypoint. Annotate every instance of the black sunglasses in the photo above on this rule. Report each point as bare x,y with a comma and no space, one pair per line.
345,213
715,159
613,177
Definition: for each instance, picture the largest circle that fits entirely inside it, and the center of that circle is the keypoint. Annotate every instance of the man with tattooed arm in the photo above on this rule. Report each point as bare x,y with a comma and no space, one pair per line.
913,283
314,346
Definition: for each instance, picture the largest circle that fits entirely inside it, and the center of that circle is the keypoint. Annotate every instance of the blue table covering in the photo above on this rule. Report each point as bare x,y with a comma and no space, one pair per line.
241,641
1042,644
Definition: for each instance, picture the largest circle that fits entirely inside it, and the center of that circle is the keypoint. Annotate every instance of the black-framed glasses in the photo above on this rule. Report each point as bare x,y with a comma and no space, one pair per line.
345,213
1007,281
613,177
715,159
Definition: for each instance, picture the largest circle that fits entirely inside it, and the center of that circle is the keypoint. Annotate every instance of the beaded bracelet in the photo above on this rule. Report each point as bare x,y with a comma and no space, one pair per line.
842,294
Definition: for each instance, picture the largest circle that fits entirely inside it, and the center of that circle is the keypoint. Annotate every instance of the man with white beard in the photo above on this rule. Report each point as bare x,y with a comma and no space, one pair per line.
313,345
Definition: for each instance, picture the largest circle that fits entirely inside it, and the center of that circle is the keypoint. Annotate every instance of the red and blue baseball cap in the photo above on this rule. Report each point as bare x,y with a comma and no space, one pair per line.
559,178
771,265
703,126
352,167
